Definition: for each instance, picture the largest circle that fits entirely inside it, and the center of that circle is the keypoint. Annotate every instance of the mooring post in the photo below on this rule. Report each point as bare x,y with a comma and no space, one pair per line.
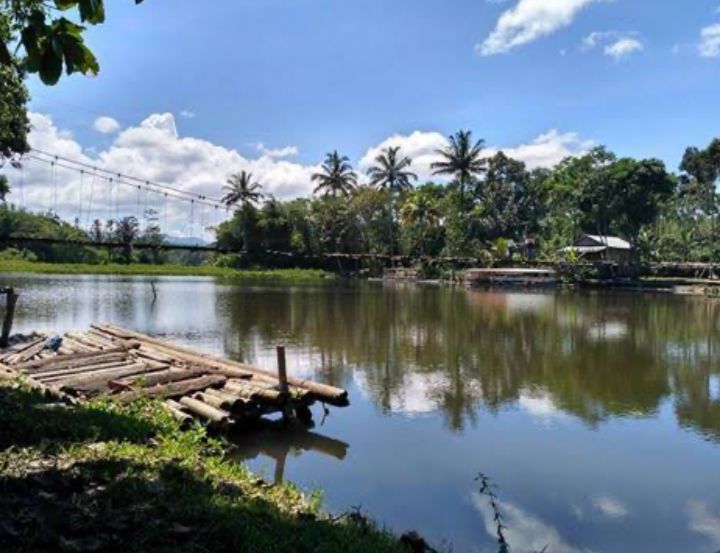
10,301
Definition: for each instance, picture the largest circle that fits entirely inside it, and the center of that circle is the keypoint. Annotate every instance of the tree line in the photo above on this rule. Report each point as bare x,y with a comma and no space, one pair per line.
484,205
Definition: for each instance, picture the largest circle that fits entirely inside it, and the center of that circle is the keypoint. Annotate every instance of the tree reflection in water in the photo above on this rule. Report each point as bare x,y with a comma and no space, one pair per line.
415,348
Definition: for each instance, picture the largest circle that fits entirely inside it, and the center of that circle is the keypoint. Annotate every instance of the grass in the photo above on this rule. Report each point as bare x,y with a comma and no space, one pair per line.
106,477
18,266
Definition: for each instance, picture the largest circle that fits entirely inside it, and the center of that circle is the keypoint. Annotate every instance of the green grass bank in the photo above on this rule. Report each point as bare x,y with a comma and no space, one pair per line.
105,477
19,266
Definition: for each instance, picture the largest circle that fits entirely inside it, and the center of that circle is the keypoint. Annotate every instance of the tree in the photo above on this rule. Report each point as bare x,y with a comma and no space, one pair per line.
96,231
241,189
14,123
421,211
390,172
49,43
702,173
336,176
461,159
127,231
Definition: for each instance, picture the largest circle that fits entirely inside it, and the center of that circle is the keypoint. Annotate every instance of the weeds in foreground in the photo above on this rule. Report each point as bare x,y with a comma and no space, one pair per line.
107,477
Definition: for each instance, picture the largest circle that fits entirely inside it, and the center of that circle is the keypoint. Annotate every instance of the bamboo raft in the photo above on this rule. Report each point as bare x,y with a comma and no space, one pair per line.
109,359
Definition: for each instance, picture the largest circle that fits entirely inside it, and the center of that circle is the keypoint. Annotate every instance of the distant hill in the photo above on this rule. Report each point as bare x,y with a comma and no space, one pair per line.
186,241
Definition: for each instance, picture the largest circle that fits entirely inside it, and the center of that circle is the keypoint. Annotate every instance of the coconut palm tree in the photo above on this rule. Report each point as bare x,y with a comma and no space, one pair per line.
336,176
241,189
390,171
463,160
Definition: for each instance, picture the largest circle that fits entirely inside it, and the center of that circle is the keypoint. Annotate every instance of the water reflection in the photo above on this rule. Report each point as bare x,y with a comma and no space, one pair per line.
277,442
598,412
419,350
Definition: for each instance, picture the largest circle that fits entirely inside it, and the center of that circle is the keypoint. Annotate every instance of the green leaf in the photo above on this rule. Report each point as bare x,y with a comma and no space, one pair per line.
50,66
92,11
65,4
5,57
31,42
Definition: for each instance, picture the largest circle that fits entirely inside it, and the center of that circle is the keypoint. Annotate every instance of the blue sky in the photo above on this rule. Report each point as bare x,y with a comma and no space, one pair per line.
321,74
312,75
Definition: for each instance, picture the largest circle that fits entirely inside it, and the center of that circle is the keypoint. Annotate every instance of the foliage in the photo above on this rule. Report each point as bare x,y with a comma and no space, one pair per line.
49,43
241,190
336,176
463,160
224,269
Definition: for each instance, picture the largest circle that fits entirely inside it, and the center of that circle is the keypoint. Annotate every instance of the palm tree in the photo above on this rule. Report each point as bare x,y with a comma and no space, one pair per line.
390,171
241,189
463,160
336,176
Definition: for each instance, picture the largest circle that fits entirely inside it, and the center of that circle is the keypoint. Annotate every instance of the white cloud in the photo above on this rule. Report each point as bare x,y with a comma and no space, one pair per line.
528,21
287,151
611,507
618,45
106,125
523,531
704,522
187,114
710,41
623,48
546,150
420,146
154,151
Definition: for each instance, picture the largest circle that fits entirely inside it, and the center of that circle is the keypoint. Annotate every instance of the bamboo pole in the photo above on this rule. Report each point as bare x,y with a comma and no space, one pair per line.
205,411
176,410
176,389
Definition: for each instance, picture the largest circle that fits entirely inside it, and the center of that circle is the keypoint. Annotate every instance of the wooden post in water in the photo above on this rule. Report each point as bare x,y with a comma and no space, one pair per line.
10,301
284,388
282,370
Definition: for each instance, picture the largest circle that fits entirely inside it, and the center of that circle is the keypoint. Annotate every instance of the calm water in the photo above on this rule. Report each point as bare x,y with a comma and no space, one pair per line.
596,415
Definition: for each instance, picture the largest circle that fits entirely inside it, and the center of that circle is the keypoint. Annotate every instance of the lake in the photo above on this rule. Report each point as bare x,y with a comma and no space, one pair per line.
596,415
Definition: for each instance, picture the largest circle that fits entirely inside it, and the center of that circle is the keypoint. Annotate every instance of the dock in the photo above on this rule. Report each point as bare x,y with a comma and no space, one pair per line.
511,277
126,365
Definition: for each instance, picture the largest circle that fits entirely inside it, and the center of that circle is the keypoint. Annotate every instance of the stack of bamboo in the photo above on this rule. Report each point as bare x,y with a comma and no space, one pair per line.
194,385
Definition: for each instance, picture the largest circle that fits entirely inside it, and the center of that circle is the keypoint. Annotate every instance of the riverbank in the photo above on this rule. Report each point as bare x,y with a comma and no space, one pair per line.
161,270
104,476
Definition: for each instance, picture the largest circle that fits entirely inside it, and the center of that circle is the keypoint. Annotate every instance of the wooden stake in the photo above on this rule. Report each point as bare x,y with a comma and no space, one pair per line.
10,301
282,370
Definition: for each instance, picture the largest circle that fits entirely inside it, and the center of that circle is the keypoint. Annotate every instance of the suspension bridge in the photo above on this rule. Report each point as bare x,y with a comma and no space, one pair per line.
102,195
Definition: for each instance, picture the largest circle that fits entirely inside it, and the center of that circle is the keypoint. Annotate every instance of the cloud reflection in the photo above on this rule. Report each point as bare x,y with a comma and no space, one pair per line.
523,531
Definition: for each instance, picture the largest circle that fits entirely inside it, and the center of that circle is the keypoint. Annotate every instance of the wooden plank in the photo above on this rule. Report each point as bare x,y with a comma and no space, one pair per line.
19,348
176,389
51,374
163,377
98,381
328,394
73,360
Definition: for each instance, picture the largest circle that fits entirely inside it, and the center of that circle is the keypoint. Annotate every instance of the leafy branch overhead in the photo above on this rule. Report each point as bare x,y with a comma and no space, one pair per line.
49,42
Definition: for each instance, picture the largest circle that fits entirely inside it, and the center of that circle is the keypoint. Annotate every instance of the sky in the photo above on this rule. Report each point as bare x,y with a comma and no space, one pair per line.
191,91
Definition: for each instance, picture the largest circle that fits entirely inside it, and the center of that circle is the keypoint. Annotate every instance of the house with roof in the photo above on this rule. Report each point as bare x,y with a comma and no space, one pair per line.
593,247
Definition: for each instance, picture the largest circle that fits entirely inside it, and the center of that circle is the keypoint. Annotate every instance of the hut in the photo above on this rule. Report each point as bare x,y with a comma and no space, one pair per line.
592,247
